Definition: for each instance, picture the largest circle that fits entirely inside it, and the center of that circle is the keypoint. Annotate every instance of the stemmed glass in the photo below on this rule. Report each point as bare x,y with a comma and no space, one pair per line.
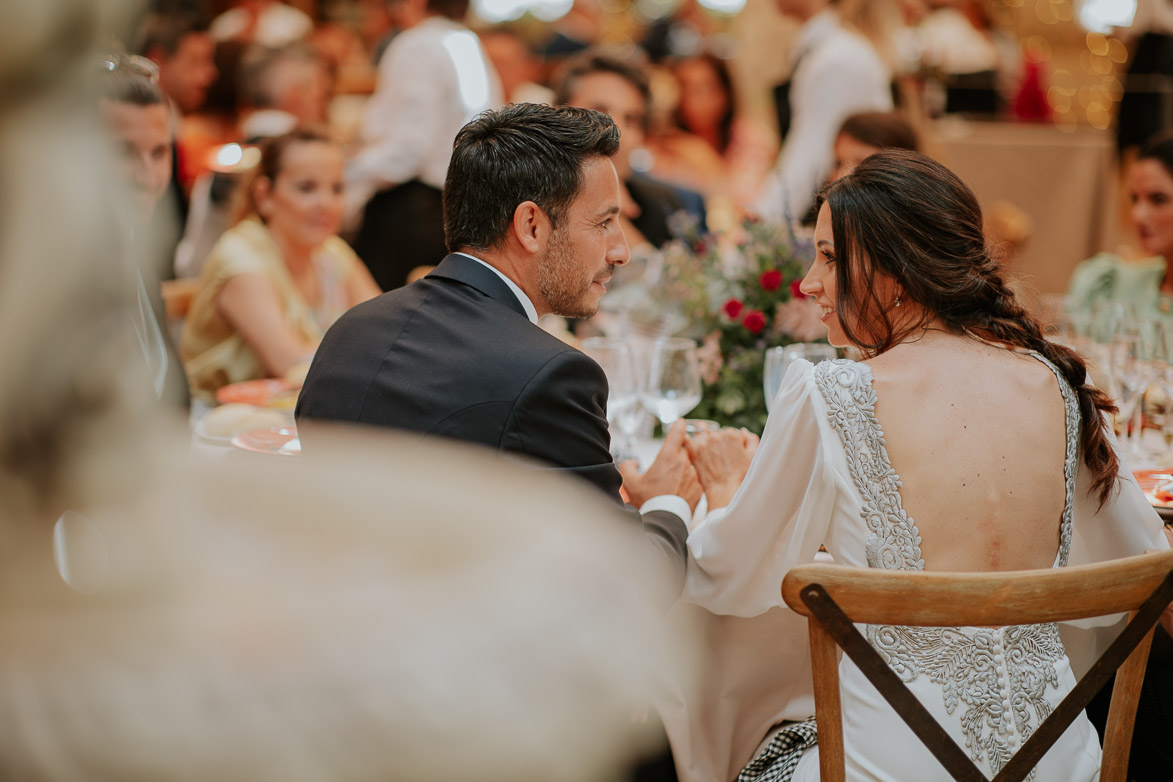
778,359
674,380
623,403
1149,358
1138,357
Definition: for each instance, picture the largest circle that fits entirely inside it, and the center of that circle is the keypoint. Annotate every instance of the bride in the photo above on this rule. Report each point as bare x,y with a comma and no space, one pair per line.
964,442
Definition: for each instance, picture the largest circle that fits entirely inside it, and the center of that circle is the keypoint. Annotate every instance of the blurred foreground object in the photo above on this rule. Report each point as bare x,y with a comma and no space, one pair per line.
347,617
312,620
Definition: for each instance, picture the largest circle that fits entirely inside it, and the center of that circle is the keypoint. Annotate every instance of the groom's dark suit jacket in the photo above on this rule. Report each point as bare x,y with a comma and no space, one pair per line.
454,355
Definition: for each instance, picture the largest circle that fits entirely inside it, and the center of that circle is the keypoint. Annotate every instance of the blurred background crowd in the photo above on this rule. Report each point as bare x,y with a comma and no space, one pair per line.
728,109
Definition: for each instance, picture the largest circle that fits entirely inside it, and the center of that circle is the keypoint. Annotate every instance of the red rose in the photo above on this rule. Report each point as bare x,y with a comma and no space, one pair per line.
755,321
796,291
733,308
771,280
701,247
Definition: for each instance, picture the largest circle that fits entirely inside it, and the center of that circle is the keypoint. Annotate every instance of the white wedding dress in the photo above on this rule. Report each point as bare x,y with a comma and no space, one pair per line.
822,476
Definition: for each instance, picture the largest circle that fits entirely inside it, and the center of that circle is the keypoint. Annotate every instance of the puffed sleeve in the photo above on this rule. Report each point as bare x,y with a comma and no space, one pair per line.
780,515
1124,526
1092,280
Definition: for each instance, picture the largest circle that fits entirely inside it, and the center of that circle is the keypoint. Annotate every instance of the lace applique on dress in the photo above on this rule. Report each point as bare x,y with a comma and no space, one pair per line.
999,676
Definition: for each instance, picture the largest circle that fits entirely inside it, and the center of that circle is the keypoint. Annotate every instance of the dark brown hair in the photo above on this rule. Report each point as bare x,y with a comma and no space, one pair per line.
721,71
450,9
272,161
165,30
882,130
903,215
628,65
1159,148
524,152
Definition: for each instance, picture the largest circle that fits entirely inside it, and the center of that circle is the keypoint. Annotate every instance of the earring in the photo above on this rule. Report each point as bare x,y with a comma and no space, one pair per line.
897,302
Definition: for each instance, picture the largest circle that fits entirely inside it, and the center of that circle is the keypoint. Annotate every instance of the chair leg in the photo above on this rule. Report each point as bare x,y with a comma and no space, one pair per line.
1122,713
825,673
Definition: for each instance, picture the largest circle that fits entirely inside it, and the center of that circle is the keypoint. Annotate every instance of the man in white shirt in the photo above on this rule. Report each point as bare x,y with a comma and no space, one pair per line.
837,73
433,79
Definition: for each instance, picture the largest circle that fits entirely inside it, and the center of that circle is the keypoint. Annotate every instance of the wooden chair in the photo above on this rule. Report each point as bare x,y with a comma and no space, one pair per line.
832,597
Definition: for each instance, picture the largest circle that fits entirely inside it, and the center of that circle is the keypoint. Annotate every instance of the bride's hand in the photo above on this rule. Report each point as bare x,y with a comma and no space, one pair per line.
721,460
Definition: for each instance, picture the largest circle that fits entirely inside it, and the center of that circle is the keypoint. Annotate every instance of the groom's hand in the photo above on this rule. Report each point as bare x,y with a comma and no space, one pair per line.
671,473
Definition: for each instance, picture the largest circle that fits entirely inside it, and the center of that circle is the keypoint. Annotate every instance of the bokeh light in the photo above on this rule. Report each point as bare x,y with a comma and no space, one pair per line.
724,6
1101,16
229,155
494,11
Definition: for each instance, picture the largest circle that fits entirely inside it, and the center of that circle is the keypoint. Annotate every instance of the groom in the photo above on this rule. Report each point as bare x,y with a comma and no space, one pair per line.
531,208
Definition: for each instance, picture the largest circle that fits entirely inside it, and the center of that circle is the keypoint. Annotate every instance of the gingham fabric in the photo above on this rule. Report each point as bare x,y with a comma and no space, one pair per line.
778,760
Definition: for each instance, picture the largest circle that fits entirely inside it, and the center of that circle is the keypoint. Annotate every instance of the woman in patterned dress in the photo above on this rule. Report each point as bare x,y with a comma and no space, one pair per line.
964,441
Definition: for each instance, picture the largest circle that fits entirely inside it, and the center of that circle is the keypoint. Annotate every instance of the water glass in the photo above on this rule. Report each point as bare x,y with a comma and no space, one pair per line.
674,380
623,405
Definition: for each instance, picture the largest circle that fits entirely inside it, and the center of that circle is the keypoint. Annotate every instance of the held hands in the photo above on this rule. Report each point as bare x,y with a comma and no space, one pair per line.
671,473
721,460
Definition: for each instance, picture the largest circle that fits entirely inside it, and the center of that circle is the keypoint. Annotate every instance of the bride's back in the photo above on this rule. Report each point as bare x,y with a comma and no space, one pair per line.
977,435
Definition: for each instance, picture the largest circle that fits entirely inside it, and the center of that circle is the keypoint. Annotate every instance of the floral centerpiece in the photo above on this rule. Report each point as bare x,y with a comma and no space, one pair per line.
739,297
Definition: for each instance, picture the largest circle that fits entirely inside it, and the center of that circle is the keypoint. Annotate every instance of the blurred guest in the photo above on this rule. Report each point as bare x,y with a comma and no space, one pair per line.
433,79
862,135
838,69
135,114
516,65
681,33
183,49
580,28
180,46
275,281
961,41
283,88
711,147
402,15
1146,285
264,22
1145,105
617,85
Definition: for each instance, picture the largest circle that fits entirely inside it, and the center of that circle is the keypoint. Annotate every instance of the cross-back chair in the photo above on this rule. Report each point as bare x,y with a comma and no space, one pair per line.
832,597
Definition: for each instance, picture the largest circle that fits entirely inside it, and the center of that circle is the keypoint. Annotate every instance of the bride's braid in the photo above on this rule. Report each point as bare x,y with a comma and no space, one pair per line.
1000,318
902,216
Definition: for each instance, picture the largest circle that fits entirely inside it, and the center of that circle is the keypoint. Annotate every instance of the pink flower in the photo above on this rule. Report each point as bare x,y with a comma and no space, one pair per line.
771,280
710,359
796,290
755,321
733,308
798,320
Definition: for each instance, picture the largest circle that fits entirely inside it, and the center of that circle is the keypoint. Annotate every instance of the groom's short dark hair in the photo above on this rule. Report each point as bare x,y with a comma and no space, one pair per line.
524,152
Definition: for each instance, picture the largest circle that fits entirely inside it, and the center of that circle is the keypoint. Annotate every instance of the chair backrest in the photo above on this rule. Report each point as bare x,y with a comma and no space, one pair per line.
833,597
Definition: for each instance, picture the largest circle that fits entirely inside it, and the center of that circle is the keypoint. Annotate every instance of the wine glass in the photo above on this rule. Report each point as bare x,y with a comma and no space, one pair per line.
674,380
779,359
1148,356
623,403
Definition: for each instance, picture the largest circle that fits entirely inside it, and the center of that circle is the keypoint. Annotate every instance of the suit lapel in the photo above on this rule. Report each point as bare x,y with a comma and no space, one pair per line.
469,272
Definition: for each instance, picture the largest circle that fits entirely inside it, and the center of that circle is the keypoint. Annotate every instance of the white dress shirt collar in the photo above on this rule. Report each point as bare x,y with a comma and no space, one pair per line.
530,311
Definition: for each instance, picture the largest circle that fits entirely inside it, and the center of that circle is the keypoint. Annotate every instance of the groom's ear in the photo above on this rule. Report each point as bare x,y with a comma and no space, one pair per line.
530,226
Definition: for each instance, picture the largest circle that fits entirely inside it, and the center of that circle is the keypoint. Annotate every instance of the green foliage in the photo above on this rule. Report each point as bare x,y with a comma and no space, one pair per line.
739,298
